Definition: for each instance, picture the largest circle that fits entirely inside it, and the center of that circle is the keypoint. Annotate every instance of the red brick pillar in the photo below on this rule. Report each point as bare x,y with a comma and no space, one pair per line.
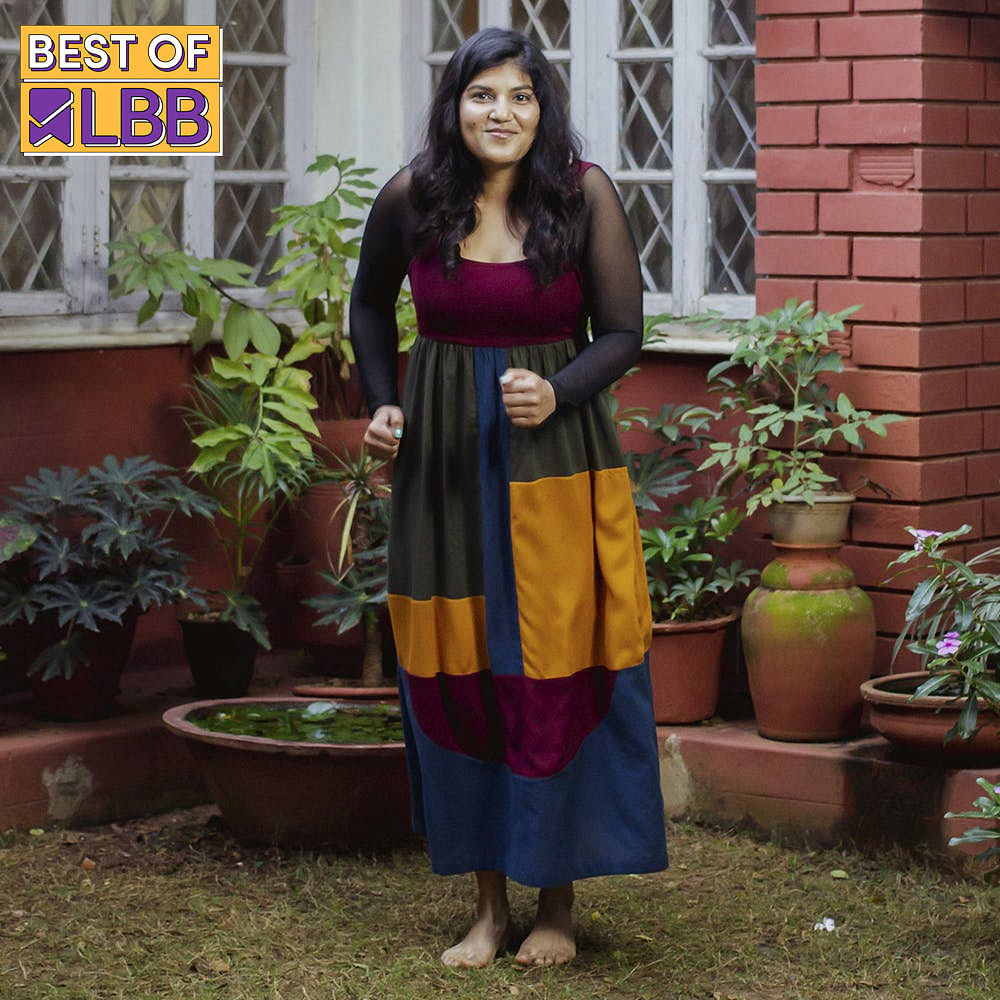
879,177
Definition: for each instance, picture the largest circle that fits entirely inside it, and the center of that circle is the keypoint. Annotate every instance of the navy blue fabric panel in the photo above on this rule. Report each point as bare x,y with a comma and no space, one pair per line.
503,639
600,815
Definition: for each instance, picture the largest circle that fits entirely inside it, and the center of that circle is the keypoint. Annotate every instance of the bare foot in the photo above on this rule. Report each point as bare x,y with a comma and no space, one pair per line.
480,946
490,931
551,940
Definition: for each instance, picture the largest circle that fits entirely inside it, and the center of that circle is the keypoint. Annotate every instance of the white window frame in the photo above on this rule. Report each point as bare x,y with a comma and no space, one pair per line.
594,98
82,314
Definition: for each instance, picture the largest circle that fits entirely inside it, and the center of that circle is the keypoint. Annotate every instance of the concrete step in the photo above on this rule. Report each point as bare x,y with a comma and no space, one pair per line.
853,791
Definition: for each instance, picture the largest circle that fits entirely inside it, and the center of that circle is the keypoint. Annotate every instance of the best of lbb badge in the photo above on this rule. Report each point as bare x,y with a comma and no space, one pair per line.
123,89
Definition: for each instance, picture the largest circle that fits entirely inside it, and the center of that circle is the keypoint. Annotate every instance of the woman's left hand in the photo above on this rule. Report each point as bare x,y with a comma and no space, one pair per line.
528,398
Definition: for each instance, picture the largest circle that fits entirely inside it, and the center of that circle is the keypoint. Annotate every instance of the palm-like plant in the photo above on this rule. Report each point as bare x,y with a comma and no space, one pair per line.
359,581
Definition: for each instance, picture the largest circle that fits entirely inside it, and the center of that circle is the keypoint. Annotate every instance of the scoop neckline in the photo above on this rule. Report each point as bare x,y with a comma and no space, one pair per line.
472,260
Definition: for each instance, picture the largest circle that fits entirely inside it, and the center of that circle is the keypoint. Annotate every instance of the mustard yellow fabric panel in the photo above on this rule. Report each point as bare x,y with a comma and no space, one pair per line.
439,635
580,604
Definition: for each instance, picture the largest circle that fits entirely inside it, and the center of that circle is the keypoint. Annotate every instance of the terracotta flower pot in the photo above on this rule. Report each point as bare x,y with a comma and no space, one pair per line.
824,522
300,795
917,727
685,667
347,692
92,689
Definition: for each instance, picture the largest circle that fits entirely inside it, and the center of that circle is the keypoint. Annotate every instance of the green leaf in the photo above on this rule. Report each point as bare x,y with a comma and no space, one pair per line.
227,369
264,335
148,309
237,328
300,418
217,435
201,334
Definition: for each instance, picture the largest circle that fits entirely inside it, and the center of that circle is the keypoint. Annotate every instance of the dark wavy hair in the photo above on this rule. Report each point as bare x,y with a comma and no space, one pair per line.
447,178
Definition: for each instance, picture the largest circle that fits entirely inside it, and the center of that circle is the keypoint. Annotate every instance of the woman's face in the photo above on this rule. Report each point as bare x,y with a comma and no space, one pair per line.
498,115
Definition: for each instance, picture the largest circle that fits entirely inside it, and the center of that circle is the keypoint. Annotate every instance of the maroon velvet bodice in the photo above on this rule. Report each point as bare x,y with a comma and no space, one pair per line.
496,303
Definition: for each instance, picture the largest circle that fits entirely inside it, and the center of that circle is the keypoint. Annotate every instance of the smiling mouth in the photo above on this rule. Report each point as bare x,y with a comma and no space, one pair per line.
499,133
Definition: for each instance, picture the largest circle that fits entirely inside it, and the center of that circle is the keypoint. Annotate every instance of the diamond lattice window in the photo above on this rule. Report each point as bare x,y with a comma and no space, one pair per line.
731,147
250,173
645,133
30,231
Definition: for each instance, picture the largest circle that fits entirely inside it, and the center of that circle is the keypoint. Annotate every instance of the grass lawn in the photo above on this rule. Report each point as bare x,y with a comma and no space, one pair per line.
172,907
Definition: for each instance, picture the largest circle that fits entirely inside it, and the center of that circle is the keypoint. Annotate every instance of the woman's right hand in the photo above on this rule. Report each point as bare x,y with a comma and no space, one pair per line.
384,431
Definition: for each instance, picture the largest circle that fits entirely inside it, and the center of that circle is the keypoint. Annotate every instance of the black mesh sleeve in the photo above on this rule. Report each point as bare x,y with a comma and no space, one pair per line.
381,268
613,288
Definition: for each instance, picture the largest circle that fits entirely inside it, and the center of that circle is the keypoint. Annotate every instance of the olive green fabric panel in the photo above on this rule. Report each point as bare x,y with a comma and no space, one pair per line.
574,439
435,541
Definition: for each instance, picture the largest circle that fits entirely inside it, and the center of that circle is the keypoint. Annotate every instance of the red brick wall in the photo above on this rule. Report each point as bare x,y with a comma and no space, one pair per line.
879,178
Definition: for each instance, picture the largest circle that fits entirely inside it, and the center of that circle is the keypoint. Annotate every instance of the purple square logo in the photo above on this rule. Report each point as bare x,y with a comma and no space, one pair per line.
50,115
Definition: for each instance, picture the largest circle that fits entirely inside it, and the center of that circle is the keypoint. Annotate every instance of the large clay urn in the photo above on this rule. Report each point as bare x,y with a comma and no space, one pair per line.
809,643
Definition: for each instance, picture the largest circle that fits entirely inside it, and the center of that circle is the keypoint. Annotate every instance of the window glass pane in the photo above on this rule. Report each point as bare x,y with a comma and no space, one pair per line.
452,21
30,255
647,24
30,251
732,210
648,207
252,25
15,13
253,127
731,115
138,204
147,11
252,118
243,214
545,22
732,22
646,116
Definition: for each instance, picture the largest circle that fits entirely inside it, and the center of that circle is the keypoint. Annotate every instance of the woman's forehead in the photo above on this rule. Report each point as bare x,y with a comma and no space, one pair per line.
508,75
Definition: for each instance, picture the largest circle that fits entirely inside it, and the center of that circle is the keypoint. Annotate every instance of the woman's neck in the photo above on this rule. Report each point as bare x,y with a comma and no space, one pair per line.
499,184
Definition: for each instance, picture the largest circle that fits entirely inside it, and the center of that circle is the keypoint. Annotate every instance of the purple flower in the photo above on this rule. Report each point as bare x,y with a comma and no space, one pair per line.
948,646
921,535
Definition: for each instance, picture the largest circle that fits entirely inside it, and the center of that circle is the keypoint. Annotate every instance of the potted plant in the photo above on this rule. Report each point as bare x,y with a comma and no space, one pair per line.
951,709
310,292
358,581
250,419
98,556
808,631
985,807
786,414
691,585
15,537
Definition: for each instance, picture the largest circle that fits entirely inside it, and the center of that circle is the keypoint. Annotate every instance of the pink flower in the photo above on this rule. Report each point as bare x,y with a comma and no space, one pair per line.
922,535
948,646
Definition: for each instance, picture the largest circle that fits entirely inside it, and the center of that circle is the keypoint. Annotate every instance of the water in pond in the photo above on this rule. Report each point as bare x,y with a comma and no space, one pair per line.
316,722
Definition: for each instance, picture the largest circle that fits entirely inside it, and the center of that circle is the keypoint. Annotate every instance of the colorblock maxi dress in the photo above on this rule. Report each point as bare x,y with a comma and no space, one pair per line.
517,588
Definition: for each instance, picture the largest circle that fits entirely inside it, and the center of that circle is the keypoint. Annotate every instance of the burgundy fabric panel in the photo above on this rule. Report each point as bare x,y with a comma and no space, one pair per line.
535,727
494,304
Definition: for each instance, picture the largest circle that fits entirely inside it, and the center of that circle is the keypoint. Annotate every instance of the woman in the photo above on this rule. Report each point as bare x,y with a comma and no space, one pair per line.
516,582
